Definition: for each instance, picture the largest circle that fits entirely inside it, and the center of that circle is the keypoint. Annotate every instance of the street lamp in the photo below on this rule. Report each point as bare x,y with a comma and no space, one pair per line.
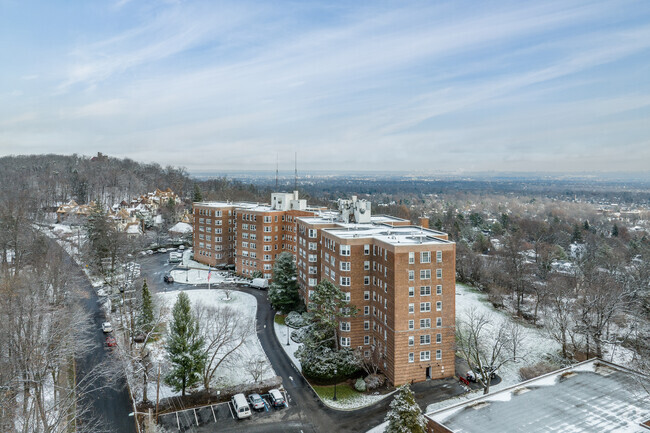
335,377
287,335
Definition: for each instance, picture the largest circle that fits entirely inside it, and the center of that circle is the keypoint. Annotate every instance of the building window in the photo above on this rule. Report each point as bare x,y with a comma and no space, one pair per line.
411,275
345,281
439,289
312,245
439,306
411,292
411,324
366,250
366,280
425,323
313,282
439,256
411,340
438,273
313,258
345,326
366,339
345,341
439,322
425,355
425,257
366,325
425,307
425,290
411,357
425,274
366,310
345,266
438,354
411,258
411,308
438,338
366,295
425,339
312,233
345,250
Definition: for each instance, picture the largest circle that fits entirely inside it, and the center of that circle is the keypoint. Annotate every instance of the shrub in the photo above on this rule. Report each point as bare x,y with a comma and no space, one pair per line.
532,371
374,381
360,385
295,320
298,335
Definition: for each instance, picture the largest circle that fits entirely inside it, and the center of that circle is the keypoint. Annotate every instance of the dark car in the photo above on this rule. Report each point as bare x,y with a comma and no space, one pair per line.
168,279
276,398
256,402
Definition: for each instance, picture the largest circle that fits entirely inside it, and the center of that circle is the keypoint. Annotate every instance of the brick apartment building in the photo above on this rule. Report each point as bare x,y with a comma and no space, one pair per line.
400,277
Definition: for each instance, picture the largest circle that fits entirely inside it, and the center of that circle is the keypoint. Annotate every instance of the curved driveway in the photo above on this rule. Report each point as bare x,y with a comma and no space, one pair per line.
306,412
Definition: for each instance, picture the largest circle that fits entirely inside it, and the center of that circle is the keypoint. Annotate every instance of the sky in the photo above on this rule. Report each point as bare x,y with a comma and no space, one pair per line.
427,86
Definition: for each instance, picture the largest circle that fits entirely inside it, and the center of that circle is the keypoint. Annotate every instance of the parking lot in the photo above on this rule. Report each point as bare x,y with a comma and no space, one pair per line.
220,415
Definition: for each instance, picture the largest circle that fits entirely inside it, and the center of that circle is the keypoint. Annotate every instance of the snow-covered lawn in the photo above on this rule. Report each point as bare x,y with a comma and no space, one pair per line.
281,334
235,372
198,273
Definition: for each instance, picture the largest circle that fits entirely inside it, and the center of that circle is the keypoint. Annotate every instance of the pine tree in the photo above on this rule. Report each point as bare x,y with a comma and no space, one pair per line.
405,416
615,231
283,293
586,225
197,194
184,346
146,318
577,234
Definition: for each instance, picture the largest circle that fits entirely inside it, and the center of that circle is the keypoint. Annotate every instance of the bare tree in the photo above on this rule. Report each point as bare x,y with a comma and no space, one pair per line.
257,367
224,334
484,345
369,360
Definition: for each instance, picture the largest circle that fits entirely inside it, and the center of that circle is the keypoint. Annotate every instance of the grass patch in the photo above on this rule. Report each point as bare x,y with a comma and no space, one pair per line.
344,391
279,319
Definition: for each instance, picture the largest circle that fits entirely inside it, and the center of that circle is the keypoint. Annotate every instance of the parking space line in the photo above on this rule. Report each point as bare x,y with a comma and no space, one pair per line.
213,415
195,417
233,415
178,423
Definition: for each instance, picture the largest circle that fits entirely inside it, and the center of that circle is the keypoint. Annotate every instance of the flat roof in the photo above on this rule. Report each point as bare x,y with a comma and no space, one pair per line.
593,396
398,235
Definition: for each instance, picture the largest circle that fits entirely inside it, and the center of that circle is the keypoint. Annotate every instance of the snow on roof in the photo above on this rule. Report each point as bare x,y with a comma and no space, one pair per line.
181,228
398,235
592,396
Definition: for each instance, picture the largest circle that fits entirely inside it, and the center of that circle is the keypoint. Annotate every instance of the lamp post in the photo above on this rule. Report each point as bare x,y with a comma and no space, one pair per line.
335,377
287,334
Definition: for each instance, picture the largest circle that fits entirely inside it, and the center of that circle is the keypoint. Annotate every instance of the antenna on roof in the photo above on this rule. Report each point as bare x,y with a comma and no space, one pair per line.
276,171
295,180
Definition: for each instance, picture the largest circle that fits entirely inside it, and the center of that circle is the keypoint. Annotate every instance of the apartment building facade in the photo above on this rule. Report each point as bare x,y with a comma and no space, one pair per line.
400,277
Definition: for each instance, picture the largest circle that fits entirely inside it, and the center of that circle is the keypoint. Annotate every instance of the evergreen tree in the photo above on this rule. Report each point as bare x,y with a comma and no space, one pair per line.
146,318
577,234
283,293
184,346
197,194
405,416
321,352
586,225
615,231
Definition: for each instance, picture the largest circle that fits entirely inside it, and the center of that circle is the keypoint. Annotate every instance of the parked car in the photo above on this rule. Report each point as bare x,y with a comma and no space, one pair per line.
260,283
276,398
106,327
256,401
111,342
150,252
241,406
168,279
473,375
162,250
181,247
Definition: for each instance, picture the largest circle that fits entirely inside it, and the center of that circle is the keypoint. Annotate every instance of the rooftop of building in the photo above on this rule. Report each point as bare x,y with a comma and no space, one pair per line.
592,396
399,235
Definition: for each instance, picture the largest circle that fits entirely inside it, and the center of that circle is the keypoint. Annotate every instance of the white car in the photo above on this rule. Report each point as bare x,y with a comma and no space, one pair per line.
106,327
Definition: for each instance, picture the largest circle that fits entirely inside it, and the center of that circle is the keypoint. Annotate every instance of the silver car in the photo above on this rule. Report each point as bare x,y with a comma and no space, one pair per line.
256,401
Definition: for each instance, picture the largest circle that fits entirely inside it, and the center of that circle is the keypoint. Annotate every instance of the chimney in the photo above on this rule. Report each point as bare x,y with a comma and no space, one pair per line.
424,222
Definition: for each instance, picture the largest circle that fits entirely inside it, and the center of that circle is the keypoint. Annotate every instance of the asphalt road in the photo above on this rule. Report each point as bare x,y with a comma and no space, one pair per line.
306,412
108,400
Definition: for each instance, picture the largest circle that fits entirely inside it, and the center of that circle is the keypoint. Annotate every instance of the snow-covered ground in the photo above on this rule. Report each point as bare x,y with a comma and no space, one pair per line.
281,334
198,273
235,372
